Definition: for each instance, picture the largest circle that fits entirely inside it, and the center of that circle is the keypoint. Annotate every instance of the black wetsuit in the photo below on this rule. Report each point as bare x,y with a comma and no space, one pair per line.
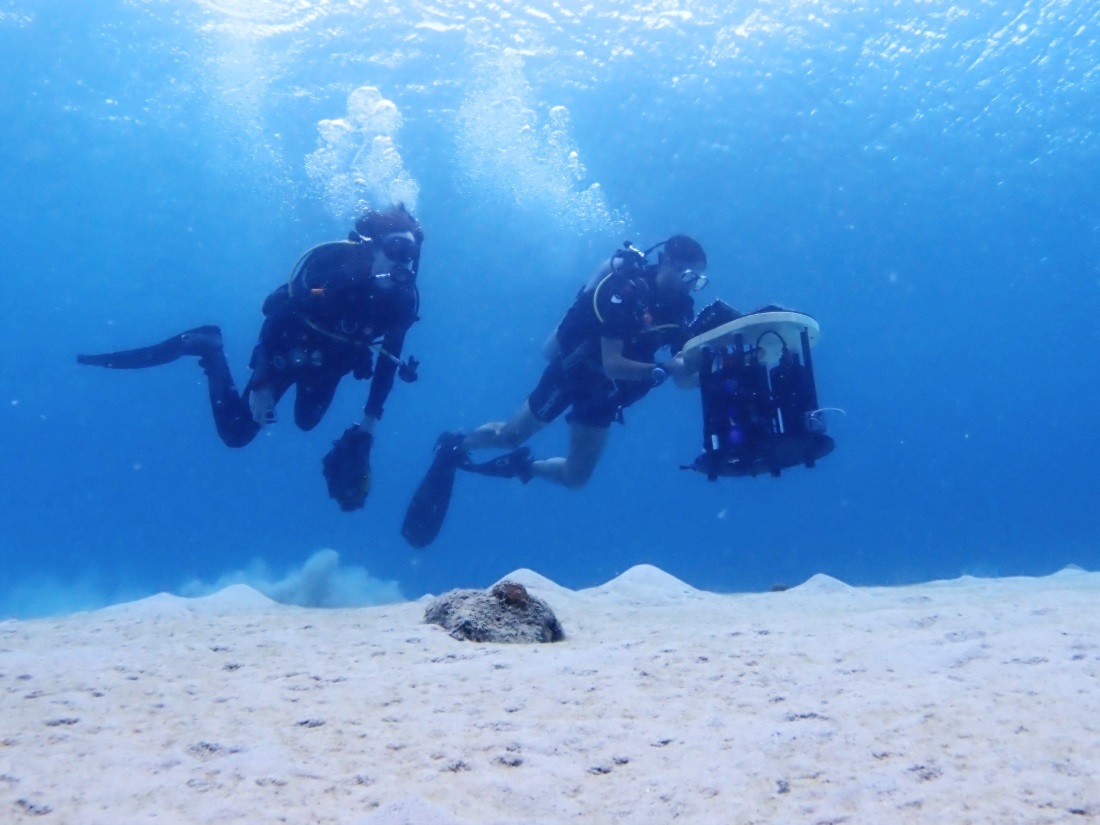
317,329
623,305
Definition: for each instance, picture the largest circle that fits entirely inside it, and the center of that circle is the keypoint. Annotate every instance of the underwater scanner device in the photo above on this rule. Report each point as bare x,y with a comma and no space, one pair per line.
759,398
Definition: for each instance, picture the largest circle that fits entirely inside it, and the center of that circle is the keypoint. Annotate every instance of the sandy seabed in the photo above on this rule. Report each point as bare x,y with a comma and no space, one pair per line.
964,701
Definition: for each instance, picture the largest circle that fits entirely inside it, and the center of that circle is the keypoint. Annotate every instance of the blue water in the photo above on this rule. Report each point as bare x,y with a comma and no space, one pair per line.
919,176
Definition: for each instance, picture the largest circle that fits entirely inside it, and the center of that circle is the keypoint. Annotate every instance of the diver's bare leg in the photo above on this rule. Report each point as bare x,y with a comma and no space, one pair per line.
586,445
505,435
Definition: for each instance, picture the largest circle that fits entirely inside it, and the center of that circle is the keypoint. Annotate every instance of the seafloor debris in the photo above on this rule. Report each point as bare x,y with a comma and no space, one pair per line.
506,613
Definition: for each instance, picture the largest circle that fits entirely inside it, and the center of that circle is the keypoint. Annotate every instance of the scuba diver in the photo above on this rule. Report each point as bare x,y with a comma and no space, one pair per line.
603,358
345,309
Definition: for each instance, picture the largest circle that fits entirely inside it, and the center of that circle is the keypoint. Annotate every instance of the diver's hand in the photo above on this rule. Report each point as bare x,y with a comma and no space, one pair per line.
680,372
262,404
689,364
347,468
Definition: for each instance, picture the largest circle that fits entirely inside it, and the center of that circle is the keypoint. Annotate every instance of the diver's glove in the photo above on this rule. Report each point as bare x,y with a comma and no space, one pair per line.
347,468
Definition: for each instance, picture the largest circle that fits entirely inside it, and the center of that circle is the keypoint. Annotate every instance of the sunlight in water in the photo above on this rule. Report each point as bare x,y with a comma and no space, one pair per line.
15,18
507,76
260,18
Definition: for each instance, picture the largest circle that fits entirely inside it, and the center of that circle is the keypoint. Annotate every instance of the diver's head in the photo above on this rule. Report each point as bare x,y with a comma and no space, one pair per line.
395,238
680,266
394,254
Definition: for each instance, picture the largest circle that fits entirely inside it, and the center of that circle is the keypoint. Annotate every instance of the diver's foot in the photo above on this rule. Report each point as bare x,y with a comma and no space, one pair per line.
516,464
449,451
201,341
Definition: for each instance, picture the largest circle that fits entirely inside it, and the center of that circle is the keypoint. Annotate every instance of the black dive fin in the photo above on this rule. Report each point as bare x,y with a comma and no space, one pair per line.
428,508
198,341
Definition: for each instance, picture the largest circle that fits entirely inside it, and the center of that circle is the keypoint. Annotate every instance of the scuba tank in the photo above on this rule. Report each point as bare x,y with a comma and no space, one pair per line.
583,320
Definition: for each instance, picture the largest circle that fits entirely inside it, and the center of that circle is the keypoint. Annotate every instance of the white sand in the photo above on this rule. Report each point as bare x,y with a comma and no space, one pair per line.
951,702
